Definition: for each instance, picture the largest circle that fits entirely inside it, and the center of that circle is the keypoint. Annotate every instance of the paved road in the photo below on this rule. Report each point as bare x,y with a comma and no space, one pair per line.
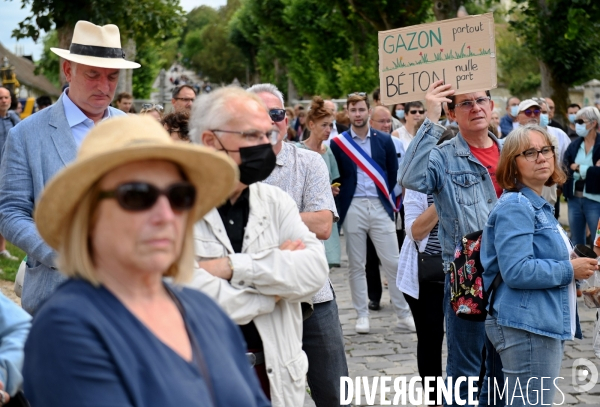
388,352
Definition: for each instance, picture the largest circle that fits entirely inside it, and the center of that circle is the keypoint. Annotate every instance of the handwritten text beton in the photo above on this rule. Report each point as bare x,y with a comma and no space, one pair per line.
459,51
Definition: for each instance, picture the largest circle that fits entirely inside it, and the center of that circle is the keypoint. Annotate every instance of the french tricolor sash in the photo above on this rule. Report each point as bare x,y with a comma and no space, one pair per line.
367,164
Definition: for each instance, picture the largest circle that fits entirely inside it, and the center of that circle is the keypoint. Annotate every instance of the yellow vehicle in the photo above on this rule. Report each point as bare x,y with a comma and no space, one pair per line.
28,107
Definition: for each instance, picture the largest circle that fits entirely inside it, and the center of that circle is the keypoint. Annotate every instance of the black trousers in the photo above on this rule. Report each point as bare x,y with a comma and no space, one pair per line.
428,313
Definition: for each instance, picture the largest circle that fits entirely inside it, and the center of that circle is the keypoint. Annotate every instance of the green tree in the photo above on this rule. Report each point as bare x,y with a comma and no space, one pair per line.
563,35
143,21
48,65
207,47
518,69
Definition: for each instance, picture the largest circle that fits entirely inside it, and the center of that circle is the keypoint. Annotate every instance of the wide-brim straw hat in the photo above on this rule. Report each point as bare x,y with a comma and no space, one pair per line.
124,140
97,46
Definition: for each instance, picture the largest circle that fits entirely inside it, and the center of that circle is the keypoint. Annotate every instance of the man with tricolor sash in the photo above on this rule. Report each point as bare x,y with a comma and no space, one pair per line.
366,204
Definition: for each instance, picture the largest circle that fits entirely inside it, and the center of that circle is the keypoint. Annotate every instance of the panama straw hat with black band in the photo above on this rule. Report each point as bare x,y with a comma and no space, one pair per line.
124,140
98,46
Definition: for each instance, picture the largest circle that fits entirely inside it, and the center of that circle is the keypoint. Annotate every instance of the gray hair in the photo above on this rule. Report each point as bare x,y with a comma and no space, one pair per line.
267,88
589,113
211,111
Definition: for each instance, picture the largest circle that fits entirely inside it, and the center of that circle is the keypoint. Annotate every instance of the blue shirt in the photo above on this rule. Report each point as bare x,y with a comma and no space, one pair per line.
80,124
87,349
585,161
365,187
6,123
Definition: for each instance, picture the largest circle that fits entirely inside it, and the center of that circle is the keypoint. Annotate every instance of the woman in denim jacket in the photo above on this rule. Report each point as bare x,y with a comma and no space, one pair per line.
534,309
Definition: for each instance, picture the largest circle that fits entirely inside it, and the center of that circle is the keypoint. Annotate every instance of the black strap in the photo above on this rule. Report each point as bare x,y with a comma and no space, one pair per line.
197,354
491,290
96,51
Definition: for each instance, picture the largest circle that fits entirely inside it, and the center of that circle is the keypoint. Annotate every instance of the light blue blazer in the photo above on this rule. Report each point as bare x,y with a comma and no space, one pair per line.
35,149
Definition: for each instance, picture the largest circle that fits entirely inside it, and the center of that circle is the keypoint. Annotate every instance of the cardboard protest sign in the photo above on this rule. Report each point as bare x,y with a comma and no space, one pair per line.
460,51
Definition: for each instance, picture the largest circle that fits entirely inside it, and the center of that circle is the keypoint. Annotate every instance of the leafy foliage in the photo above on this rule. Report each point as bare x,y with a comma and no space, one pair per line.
207,47
48,65
563,35
518,69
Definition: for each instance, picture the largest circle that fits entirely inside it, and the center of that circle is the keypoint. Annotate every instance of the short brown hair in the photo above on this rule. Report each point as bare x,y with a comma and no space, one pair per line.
124,95
318,110
516,142
355,97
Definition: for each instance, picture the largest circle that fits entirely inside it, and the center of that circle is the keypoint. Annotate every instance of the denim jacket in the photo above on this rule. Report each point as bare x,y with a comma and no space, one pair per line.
461,186
522,239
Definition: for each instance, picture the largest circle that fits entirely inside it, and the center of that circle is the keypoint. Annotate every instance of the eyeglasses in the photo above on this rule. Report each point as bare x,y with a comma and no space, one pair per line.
186,100
532,154
417,111
277,115
254,135
141,196
361,94
150,106
580,121
386,121
470,104
532,112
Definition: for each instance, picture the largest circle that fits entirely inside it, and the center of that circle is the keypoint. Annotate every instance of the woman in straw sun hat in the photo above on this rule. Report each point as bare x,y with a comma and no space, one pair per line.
120,218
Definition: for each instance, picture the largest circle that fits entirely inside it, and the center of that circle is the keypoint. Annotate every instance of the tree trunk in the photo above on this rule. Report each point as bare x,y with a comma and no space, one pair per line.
65,36
556,90
126,75
292,93
445,9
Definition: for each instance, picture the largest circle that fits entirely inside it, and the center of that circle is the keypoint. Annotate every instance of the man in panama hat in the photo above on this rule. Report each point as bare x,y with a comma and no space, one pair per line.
44,143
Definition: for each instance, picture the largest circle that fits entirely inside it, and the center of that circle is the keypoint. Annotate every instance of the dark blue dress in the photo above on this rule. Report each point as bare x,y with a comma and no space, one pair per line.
86,349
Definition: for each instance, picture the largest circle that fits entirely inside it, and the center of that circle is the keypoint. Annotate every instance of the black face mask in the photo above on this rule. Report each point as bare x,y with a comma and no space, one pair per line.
257,164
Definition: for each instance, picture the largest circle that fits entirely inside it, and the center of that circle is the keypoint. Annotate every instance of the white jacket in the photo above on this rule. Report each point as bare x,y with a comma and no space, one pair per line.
260,273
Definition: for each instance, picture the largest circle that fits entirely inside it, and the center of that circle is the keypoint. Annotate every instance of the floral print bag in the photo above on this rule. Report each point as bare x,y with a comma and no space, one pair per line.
468,298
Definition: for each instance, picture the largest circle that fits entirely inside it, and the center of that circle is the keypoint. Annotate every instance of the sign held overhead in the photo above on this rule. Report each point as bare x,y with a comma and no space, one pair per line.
461,52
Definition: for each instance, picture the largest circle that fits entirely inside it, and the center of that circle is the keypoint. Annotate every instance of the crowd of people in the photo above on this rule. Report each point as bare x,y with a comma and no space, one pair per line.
183,258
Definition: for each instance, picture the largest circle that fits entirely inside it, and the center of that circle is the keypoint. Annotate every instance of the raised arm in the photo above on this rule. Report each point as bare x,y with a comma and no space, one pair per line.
418,171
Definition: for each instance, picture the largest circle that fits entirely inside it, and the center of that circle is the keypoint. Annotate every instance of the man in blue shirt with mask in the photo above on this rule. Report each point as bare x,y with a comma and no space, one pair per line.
512,110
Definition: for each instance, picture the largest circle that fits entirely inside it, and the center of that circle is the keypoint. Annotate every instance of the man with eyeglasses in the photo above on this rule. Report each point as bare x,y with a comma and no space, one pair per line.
368,167
303,175
183,98
460,174
257,258
42,144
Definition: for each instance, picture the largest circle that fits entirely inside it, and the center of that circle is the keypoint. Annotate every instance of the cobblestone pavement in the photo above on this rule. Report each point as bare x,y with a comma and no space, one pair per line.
388,352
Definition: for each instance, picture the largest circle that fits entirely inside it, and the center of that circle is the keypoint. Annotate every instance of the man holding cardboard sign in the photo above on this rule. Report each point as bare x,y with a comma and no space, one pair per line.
461,176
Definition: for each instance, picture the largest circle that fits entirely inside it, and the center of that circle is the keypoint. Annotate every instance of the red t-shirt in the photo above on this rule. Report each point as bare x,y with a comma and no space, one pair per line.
489,157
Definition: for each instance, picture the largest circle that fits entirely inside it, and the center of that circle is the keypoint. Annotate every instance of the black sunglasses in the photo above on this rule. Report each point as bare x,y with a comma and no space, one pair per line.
140,196
580,121
417,111
277,115
532,112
